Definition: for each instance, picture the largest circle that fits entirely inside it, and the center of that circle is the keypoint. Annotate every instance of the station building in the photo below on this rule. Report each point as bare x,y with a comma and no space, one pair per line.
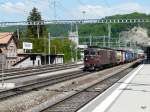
8,49
37,59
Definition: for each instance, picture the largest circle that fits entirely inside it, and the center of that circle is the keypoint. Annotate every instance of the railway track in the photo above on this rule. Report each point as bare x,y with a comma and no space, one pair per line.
25,73
27,68
77,101
5,94
13,70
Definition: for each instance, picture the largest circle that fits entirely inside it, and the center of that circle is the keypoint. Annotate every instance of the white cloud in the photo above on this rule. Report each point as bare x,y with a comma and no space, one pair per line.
23,8
11,8
98,11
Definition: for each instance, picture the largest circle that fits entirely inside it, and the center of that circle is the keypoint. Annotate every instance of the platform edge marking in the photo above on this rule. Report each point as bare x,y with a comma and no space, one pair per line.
108,101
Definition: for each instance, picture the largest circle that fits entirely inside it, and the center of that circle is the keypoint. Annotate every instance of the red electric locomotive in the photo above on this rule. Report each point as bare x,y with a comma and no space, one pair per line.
96,58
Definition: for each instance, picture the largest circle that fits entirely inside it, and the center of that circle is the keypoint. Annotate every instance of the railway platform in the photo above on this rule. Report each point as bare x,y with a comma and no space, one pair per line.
130,94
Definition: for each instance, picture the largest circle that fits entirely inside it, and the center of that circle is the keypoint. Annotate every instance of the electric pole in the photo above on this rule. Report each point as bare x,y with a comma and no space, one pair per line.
18,33
90,40
109,34
49,40
84,12
119,42
55,12
71,27
38,34
104,44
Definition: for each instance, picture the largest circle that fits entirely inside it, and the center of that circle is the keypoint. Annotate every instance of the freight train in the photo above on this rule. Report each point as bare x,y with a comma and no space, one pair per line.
96,58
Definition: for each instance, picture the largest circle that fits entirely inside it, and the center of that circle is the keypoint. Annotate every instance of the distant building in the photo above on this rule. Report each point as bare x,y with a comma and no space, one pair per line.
73,36
82,48
8,48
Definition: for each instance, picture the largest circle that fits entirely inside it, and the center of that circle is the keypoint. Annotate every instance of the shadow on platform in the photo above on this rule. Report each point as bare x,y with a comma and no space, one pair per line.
135,84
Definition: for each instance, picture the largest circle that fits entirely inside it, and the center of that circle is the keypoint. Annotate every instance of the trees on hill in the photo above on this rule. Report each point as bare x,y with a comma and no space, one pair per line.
101,29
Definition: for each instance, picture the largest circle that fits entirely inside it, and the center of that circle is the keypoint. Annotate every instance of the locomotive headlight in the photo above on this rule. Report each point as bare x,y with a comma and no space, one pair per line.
85,59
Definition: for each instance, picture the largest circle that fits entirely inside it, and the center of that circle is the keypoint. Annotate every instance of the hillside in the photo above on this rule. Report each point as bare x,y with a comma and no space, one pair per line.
101,29
92,29
56,30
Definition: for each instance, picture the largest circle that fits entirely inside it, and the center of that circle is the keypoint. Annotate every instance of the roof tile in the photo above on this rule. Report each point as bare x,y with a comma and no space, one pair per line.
5,37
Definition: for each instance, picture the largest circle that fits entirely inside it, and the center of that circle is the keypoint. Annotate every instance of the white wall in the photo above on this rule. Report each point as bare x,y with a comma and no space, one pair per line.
28,63
38,58
12,49
73,36
59,60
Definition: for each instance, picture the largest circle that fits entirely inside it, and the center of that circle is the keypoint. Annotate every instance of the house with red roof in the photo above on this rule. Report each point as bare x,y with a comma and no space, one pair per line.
8,48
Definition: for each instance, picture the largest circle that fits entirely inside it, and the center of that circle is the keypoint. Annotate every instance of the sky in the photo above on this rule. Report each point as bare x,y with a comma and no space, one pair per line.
18,10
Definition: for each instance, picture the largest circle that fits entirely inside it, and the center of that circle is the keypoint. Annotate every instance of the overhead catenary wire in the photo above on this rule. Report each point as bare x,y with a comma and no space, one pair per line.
79,21
63,9
66,10
53,5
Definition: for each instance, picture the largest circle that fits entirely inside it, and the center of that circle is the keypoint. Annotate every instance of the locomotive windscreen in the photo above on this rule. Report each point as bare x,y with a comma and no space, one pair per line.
86,52
89,52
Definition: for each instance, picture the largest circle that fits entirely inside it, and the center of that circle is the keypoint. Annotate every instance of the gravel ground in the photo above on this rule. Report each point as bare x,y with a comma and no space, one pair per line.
29,100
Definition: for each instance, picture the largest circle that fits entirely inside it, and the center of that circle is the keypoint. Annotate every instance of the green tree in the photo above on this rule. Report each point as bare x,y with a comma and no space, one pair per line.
63,46
33,31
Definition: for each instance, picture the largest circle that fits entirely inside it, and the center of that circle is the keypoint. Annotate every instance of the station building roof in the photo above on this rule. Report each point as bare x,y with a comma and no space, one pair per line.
5,37
40,54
